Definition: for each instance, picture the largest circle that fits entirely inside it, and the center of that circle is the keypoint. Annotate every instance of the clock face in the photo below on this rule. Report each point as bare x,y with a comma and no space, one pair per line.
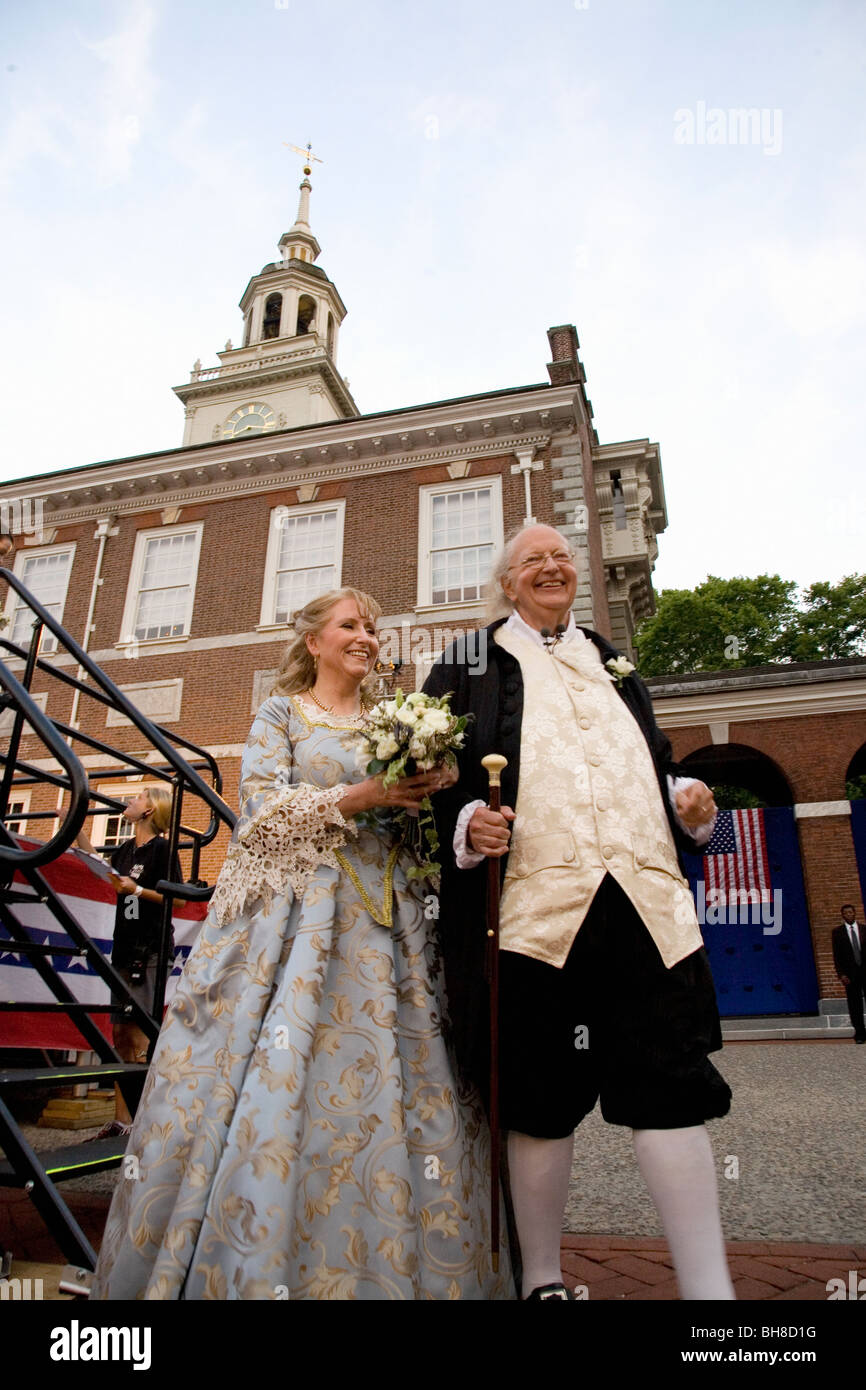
256,418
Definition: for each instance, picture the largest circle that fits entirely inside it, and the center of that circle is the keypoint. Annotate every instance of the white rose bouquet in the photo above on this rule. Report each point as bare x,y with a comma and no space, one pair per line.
401,737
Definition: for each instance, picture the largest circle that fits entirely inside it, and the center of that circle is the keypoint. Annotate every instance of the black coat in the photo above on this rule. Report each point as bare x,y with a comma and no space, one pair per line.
495,699
843,954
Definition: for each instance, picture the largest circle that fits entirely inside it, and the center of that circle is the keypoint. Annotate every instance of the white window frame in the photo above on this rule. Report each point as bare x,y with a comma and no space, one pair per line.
269,589
427,492
47,646
127,639
18,825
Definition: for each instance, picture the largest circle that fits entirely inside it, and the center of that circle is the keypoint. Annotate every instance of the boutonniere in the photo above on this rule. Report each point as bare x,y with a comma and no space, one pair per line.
618,668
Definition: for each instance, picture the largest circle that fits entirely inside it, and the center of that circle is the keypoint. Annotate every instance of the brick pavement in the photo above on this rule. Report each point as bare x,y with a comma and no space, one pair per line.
640,1268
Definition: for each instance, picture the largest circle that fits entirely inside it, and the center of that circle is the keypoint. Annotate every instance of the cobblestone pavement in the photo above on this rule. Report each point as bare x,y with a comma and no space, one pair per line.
791,1155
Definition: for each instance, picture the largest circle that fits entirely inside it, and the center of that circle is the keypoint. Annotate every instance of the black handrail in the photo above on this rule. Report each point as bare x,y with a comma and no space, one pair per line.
119,700
78,784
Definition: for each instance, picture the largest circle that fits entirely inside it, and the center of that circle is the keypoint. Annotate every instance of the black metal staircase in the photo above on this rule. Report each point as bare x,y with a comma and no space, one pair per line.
22,882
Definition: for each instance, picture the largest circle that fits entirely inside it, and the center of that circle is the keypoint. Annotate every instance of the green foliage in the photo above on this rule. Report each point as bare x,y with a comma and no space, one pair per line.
736,799
855,788
723,624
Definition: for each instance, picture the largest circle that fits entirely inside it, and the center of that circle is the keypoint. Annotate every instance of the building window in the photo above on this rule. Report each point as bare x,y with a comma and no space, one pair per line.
162,584
460,528
273,313
306,314
305,556
17,806
46,574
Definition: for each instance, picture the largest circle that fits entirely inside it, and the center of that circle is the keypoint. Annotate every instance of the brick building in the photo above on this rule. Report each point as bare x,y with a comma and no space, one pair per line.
178,571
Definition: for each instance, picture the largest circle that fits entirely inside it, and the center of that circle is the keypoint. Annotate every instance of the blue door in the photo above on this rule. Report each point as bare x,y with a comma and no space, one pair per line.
761,956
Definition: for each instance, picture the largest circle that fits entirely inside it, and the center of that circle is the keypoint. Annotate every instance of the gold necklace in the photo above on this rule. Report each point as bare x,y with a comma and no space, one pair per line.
328,709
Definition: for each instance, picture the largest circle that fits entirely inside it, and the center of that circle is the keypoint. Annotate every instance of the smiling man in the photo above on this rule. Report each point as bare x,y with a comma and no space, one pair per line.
605,989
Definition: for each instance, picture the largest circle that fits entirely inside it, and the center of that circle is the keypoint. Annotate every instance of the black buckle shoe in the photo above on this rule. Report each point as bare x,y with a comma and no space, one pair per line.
558,1292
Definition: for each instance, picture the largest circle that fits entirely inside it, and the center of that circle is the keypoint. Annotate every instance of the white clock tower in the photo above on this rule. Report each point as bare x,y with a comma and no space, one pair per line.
285,374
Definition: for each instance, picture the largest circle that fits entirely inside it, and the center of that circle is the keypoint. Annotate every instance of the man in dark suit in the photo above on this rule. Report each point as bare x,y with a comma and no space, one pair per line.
851,967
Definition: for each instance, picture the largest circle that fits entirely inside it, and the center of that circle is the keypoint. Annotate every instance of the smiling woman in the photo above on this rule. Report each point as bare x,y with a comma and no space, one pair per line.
302,1134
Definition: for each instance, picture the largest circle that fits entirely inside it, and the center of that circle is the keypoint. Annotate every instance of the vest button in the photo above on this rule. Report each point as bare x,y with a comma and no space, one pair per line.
595,760
602,805
585,723
641,858
607,852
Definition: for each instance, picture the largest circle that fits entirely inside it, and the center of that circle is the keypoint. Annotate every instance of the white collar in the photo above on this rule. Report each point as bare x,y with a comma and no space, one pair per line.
517,624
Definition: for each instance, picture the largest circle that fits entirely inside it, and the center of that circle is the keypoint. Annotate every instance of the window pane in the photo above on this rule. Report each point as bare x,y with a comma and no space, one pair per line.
462,521
295,588
47,577
307,561
164,597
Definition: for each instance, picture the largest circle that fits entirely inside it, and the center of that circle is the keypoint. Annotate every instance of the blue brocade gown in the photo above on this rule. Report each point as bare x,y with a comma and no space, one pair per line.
301,1134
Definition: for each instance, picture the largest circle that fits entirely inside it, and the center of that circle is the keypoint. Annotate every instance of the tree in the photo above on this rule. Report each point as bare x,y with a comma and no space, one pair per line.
723,624
833,622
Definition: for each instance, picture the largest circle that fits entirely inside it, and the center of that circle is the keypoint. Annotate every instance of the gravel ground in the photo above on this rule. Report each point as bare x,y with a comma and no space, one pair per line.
797,1126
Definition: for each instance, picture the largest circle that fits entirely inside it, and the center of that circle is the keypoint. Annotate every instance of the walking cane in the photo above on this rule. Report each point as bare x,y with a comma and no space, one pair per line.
494,763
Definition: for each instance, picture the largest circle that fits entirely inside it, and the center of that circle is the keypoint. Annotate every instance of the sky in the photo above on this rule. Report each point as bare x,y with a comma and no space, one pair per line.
488,170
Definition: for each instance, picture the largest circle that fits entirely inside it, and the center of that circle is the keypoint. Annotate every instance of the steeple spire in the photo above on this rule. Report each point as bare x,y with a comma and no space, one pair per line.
298,243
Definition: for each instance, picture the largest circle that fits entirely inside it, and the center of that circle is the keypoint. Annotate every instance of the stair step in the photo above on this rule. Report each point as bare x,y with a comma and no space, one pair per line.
76,1161
71,1076
27,1007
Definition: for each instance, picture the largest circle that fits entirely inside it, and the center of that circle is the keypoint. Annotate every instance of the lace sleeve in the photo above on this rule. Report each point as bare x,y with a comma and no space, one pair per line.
284,833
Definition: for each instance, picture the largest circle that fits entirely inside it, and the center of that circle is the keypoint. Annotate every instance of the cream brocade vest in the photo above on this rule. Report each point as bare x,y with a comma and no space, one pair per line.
588,803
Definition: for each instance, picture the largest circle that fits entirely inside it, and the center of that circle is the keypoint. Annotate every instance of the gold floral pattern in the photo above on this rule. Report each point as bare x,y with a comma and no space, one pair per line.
302,1134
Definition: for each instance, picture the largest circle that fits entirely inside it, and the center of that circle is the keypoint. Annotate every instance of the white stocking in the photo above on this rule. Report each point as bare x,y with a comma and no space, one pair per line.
539,1170
678,1168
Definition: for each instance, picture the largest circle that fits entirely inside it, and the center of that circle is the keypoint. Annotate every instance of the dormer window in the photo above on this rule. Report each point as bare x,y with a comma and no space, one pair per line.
306,314
273,312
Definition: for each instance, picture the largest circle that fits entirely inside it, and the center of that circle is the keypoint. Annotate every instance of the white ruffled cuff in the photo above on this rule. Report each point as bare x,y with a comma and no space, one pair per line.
466,857
295,831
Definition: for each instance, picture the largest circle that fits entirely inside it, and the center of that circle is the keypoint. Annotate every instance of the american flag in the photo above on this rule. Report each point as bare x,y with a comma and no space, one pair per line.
735,859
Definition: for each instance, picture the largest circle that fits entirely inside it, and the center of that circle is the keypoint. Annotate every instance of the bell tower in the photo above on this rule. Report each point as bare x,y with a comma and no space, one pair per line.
285,374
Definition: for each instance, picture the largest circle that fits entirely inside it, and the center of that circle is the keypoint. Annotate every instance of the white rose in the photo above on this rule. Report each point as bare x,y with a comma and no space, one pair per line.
386,748
436,720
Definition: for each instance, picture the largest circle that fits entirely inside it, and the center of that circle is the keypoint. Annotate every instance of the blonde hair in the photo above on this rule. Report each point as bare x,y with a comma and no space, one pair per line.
160,800
297,670
497,602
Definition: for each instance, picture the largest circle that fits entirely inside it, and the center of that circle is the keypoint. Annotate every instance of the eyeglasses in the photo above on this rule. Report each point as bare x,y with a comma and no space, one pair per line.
535,562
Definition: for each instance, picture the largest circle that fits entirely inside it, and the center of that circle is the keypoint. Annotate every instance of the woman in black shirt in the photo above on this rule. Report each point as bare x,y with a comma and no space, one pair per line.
137,864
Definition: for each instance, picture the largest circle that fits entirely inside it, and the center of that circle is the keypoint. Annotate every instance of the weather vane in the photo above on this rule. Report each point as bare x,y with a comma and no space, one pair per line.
307,154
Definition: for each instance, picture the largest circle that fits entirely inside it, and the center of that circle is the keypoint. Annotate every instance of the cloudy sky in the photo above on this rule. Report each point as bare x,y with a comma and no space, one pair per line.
490,169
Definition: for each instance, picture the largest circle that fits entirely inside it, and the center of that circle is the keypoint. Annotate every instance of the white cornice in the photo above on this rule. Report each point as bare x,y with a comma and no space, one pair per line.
773,702
484,427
